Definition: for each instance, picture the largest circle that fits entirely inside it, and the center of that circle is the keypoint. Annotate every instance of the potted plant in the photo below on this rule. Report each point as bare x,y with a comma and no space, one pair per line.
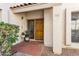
25,35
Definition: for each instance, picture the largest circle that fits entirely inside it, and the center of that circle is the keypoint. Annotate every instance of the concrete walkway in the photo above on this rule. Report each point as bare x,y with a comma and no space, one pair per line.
65,52
20,54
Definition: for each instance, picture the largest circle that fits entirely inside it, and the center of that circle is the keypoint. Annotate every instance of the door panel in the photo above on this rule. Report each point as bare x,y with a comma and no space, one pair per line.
39,29
31,28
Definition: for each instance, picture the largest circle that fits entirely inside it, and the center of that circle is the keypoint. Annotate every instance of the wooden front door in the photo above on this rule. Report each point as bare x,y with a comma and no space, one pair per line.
39,29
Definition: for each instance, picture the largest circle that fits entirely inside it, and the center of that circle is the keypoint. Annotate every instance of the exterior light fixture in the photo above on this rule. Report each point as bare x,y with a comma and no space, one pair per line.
22,17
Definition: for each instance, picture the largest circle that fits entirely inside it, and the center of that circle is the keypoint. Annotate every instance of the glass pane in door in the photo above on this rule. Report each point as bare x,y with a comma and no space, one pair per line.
75,26
31,28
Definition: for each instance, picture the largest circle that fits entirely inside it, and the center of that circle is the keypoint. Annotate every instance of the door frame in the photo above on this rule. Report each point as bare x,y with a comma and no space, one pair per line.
35,27
69,43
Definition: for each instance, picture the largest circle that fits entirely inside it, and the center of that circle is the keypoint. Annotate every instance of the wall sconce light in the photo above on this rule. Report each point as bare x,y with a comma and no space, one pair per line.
22,17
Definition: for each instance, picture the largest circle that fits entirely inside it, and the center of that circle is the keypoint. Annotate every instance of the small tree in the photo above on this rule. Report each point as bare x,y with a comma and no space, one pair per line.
8,36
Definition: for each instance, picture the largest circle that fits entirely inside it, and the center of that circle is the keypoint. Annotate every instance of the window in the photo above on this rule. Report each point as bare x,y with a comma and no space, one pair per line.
75,26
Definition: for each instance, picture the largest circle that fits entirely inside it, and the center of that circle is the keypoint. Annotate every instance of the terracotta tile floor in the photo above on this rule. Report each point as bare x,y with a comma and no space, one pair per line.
31,48
38,49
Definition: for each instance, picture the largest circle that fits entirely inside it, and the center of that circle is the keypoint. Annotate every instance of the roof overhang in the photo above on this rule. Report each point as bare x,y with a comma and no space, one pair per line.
33,7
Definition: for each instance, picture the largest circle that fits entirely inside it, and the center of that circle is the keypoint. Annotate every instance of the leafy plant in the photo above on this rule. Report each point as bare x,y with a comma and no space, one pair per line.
8,36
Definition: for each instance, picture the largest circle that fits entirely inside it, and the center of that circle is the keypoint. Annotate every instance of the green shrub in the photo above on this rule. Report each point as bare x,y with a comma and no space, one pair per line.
8,36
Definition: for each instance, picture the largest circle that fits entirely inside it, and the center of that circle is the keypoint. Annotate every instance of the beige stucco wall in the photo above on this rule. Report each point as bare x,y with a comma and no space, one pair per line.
5,11
58,34
35,14
5,8
48,27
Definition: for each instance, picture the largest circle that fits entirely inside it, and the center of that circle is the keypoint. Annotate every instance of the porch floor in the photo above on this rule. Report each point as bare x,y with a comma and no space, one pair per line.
38,49
32,48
